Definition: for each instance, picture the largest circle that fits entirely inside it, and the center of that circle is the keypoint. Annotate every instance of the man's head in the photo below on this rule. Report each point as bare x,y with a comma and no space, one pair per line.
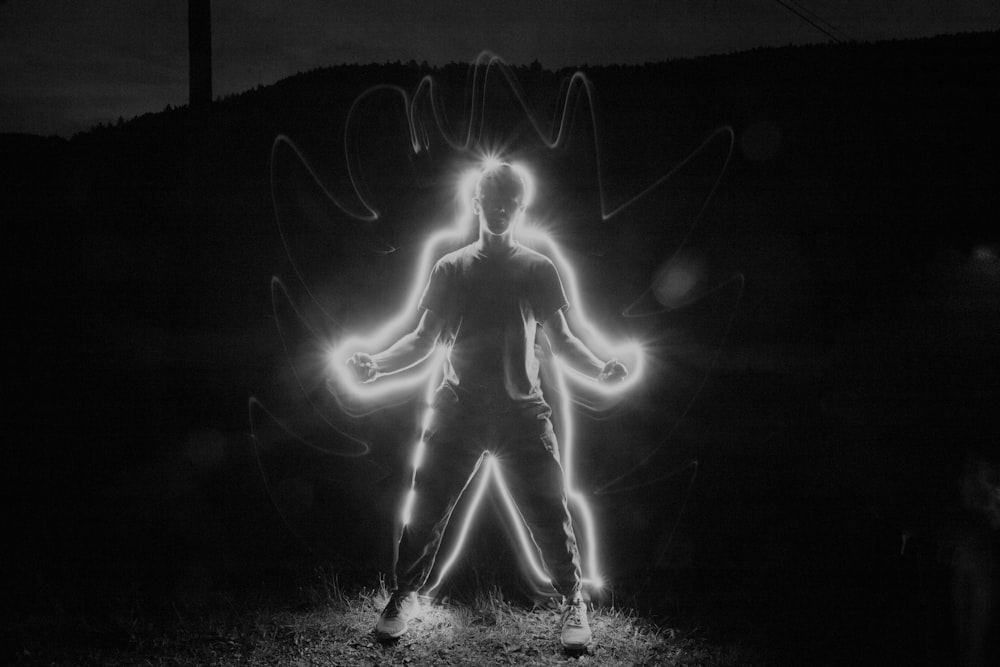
499,198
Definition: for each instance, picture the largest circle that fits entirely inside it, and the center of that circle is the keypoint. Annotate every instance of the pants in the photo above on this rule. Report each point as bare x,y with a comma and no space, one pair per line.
520,436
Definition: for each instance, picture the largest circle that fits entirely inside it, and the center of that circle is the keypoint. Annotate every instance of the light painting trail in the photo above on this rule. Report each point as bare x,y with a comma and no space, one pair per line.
354,399
425,100
629,352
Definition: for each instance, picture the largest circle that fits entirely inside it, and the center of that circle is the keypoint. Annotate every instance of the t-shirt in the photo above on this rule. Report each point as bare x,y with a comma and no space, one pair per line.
492,305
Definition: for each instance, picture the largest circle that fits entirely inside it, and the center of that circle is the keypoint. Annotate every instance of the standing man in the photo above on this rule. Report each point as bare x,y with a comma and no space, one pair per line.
485,303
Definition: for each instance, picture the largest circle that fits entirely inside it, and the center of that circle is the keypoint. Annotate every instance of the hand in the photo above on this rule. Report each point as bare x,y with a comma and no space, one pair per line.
363,367
614,371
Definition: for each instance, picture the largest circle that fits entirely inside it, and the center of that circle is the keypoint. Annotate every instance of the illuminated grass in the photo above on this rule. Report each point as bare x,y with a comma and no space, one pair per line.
331,627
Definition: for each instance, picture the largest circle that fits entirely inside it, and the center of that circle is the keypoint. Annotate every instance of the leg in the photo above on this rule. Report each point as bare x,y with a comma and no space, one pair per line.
538,487
536,483
447,464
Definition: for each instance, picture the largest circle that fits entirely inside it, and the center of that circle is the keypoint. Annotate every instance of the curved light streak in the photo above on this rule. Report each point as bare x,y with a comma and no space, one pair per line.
487,64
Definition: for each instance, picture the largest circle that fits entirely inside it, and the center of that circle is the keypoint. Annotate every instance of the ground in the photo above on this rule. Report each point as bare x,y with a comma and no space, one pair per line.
332,627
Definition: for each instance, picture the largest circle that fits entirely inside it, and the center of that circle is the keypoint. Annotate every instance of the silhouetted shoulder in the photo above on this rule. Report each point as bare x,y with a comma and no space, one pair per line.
532,256
456,257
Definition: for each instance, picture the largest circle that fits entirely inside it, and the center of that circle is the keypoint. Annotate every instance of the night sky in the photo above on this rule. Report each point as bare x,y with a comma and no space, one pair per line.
66,66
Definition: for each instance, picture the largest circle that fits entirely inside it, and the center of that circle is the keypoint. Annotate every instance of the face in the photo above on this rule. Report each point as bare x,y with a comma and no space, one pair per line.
499,205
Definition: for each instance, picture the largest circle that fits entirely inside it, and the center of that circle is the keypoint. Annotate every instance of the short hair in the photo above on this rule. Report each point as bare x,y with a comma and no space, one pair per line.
495,176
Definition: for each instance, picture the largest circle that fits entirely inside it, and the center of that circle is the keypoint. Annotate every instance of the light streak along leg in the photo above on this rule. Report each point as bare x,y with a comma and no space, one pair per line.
530,551
469,515
418,459
589,564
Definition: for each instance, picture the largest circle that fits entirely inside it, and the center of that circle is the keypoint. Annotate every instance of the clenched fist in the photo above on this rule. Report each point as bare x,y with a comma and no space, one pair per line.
363,367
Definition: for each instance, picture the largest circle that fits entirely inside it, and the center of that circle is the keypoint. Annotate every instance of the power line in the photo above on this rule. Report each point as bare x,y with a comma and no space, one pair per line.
804,14
843,35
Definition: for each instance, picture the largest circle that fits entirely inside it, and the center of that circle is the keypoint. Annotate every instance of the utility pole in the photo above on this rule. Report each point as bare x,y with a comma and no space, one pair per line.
200,53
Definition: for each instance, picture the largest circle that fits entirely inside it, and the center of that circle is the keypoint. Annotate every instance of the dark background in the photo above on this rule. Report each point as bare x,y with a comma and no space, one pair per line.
816,401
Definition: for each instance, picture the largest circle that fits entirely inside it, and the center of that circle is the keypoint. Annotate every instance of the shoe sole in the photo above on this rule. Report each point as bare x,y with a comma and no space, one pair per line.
383,634
577,647
387,635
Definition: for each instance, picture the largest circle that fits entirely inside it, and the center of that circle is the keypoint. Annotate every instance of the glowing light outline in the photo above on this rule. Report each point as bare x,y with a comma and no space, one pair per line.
630,353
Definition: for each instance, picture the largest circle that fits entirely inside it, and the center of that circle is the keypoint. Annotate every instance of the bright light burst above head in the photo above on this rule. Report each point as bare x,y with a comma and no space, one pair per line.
490,163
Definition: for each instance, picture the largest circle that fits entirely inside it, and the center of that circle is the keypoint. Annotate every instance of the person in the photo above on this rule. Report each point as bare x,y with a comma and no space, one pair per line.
484,303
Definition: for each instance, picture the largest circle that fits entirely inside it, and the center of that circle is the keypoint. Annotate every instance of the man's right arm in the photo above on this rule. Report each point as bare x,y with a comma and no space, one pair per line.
409,350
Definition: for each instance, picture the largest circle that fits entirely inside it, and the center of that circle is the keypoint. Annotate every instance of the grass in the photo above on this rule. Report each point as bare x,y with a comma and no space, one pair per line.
327,625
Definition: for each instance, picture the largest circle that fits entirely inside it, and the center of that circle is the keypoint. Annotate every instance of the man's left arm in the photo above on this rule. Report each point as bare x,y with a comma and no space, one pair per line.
566,345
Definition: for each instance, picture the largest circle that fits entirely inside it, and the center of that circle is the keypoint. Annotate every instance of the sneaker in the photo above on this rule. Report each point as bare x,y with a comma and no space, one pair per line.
398,611
575,627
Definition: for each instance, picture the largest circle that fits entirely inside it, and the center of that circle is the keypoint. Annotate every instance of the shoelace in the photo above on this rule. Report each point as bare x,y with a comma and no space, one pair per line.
571,616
